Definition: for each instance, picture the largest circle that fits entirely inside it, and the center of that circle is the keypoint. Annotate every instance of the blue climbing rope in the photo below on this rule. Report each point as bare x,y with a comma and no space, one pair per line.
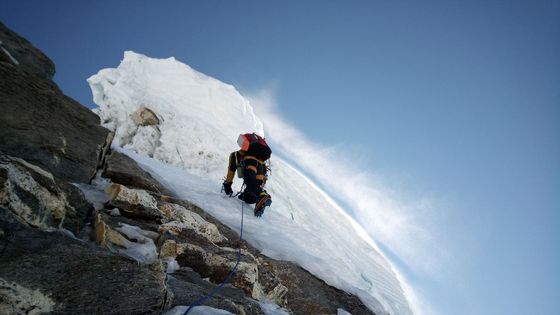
216,289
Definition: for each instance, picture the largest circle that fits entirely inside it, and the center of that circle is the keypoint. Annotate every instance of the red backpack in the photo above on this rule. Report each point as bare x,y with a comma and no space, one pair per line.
254,145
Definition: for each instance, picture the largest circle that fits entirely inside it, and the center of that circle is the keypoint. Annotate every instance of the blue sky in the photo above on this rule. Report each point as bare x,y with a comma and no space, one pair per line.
454,105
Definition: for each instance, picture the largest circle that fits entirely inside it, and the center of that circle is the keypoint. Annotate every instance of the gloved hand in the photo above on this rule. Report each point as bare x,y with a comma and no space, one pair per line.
227,188
259,213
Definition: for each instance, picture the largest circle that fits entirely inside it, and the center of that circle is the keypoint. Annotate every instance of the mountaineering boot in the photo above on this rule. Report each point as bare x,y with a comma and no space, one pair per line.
264,201
248,197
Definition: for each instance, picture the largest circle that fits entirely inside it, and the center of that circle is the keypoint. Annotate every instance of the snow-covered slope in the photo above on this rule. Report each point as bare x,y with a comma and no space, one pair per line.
200,119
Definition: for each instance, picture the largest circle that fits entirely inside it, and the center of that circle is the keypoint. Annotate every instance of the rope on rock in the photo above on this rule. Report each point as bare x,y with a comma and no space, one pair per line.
229,275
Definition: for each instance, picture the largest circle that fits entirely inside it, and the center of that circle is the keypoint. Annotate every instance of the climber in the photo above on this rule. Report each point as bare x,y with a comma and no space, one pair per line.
249,162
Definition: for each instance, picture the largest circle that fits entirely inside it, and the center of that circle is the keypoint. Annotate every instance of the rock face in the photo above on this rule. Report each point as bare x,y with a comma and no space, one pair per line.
34,197
306,292
140,251
75,276
134,203
29,58
39,123
122,169
145,117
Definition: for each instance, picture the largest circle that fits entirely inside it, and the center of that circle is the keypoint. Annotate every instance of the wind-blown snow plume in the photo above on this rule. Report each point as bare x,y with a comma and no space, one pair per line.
396,226
199,120
405,230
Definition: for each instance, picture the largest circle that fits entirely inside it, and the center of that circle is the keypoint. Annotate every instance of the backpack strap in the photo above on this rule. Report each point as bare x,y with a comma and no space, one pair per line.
249,157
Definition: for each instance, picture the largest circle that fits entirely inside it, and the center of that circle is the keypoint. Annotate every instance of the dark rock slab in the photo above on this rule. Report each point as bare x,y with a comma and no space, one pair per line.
219,266
39,123
308,294
121,169
29,58
78,277
187,286
136,211
83,209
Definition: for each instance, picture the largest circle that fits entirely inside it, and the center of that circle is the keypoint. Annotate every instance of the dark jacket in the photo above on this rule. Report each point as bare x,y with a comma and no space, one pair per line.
253,172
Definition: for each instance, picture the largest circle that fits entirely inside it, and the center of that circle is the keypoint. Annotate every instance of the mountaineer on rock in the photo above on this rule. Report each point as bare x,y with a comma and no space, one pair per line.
249,162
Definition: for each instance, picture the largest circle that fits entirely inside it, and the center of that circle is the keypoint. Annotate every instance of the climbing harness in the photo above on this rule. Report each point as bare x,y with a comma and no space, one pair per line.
216,289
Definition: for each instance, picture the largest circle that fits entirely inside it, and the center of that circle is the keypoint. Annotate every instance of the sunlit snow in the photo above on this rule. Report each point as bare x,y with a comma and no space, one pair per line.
200,119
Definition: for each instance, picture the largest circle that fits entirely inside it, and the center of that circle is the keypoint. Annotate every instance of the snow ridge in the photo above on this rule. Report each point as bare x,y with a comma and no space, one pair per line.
199,121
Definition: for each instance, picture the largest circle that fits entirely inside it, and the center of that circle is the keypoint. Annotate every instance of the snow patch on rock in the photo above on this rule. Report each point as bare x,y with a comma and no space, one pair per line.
142,248
197,310
271,308
14,60
95,192
171,265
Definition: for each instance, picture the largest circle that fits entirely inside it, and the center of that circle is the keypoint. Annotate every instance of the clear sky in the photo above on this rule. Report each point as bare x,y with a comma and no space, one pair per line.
453,107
